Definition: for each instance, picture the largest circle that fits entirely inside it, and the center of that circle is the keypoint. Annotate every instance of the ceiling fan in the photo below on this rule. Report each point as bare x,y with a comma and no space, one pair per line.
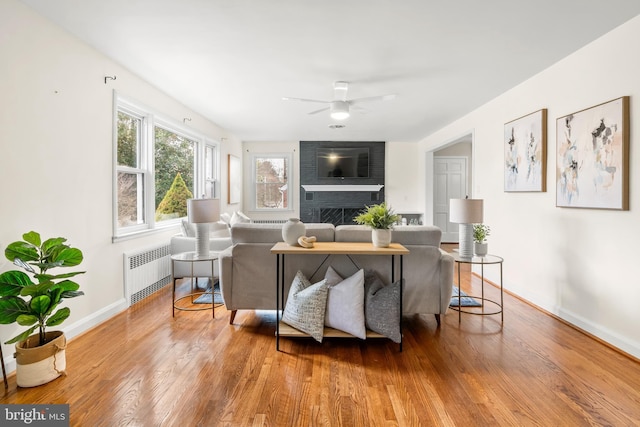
340,105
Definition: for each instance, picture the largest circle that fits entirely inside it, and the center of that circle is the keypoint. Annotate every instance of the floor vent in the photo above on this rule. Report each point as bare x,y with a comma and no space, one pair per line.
145,272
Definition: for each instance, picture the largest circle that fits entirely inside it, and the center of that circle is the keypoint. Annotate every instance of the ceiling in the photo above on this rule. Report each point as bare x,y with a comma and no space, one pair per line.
233,60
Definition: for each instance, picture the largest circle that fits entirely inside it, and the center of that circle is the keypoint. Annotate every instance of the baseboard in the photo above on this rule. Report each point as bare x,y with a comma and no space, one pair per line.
603,334
79,327
607,337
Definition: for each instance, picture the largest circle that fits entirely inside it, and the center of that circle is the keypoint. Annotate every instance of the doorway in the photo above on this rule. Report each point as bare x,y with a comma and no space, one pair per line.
450,182
452,179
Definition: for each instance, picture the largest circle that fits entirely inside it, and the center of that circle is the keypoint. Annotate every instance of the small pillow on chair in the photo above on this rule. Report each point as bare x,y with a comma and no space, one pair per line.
188,229
382,306
305,307
226,218
239,217
345,303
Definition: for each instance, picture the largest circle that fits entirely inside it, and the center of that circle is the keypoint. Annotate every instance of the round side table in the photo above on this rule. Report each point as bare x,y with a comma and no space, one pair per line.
482,261
192,258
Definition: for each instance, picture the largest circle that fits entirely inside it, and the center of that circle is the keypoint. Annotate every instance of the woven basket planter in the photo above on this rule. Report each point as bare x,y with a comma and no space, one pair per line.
39,364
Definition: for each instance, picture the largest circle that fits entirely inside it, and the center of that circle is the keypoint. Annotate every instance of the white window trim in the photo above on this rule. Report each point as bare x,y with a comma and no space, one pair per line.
152,119
291,195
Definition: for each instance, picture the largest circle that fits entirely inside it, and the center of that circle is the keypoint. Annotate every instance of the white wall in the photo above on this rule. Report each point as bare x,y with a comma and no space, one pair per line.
576,263
404,177
56,162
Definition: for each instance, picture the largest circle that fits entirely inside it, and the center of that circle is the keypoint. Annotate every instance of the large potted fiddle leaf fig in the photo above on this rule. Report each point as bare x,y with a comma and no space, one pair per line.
31,298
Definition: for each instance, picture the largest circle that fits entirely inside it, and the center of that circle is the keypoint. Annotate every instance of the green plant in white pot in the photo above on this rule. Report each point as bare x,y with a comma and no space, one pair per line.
480,234
40,357
381,219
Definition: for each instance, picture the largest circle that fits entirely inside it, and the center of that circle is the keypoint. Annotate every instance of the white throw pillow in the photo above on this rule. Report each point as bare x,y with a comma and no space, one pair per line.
226,218
188,229
345,303
239,217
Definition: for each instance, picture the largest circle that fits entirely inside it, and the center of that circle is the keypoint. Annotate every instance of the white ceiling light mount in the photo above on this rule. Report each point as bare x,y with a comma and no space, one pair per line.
339,107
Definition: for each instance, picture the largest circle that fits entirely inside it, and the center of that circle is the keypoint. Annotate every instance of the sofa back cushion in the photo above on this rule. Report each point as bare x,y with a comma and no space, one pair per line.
272,233
427,235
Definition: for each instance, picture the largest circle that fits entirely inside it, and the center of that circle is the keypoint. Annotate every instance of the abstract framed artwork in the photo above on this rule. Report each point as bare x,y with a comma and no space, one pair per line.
592,157
234,180
525,153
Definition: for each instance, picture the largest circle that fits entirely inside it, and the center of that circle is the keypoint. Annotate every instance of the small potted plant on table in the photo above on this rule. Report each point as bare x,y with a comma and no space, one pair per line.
381,219
480,234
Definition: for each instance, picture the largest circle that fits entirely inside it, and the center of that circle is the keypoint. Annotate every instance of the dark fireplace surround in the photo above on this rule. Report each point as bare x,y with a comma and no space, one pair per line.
338,207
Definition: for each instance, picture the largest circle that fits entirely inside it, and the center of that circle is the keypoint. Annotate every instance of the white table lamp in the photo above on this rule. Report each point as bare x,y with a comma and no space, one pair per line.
465,212
202,212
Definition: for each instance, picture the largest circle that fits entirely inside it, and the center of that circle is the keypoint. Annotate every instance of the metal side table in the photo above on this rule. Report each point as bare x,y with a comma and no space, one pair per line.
482,261
192,258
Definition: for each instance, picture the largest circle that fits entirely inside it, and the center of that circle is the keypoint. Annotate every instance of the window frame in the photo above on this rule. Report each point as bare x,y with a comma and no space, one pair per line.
146,165
290,196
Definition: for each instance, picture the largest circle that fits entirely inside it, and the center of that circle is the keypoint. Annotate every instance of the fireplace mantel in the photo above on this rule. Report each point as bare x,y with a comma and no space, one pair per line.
369,188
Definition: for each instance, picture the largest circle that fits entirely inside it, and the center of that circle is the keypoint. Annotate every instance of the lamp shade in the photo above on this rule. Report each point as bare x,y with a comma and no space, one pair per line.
203,210
465,211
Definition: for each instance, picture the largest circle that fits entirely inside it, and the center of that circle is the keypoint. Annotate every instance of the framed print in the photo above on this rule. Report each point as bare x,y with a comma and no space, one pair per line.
525,153
592,159
234,179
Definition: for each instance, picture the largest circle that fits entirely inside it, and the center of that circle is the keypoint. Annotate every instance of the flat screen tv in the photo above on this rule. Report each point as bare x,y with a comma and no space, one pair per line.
342,162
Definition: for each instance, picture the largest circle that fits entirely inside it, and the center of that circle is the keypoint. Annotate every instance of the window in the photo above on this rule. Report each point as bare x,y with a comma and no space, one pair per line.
174,174
159,165
210,181
130,176
271,177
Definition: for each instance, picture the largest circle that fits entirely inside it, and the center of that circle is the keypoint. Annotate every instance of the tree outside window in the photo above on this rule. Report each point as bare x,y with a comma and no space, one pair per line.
174,168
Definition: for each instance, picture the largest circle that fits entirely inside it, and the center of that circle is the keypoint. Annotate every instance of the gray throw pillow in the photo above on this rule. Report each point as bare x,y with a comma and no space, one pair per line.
306,305
382,306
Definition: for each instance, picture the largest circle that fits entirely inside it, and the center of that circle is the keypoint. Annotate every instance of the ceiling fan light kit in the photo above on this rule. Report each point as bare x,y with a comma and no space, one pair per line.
339,110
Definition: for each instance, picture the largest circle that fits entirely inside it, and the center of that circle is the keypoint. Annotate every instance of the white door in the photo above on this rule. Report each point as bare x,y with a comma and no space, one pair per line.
450,182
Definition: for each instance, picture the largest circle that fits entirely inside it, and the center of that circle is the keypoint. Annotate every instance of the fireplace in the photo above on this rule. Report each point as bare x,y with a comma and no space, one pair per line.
337,200
338,216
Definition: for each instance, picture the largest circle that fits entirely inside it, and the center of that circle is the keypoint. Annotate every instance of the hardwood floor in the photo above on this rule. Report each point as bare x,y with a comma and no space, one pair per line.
145,368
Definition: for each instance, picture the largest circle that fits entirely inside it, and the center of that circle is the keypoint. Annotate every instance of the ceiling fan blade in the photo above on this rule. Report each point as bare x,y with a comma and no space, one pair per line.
360,109
372,98
320,110
318,101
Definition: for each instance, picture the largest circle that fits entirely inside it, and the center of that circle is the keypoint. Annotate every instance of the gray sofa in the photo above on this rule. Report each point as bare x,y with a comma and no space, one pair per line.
248,268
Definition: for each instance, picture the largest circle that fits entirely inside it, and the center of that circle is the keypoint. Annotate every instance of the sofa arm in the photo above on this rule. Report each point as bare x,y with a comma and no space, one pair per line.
218,244
181,244
226,275
446,279
188,244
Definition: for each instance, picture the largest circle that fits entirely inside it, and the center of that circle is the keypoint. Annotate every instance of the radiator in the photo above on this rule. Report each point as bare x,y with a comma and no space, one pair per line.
268,221
146,271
